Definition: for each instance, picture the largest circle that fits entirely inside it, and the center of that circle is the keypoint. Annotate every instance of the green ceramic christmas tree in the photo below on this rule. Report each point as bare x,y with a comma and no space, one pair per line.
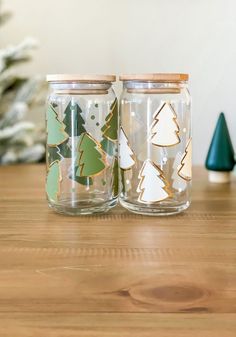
220,158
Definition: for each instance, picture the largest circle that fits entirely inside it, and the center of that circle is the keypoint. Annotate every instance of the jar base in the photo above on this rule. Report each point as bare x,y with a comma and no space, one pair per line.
163,210
95,207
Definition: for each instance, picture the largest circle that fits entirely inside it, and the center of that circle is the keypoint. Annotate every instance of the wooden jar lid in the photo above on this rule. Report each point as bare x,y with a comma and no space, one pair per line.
155,77
81,78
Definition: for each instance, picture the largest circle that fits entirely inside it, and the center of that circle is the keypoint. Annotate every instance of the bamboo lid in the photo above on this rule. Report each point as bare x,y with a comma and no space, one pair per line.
81,78
155,77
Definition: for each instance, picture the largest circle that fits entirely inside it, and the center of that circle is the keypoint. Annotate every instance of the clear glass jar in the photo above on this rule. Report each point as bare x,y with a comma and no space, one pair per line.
155,145
82,145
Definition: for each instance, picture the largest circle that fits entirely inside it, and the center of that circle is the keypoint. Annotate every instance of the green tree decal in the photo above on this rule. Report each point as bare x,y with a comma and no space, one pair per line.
91,158
52,154
86,181
115,178
73,120
57,153
110,128
108,146
53,181
122,178
55,128
65,149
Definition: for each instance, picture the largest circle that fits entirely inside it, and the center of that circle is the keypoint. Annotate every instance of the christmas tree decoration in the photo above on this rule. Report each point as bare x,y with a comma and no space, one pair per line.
53,154
115,178
179,184
91,158
108,146
53,181
73,120
152,186
126,155
185,170
220,158
165,129
122,179
55,128
111,123
65,149
86,181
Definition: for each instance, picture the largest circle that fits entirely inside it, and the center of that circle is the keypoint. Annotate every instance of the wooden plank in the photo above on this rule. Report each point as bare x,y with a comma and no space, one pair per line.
115,283
117,325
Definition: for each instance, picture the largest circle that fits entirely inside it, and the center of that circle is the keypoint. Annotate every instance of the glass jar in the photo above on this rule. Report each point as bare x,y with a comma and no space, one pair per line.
82,145
155,146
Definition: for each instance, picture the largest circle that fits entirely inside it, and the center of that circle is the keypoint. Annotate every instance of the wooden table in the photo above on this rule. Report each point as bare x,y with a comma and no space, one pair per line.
117,274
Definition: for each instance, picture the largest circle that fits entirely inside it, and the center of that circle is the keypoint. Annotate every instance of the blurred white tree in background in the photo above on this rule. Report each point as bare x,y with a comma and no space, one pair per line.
20,140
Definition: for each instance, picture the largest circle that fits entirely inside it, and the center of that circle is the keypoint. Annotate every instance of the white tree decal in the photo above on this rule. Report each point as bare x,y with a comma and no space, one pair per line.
185,170
165,129
126,155
178,183
152,186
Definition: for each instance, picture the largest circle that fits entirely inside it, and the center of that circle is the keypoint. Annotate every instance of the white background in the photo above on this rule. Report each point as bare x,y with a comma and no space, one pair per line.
119,36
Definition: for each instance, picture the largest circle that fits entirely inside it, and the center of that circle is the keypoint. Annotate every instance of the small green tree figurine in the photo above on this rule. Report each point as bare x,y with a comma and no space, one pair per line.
74,127
220,158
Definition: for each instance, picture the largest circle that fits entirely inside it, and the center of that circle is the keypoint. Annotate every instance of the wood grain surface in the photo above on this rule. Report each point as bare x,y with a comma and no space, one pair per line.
117,274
